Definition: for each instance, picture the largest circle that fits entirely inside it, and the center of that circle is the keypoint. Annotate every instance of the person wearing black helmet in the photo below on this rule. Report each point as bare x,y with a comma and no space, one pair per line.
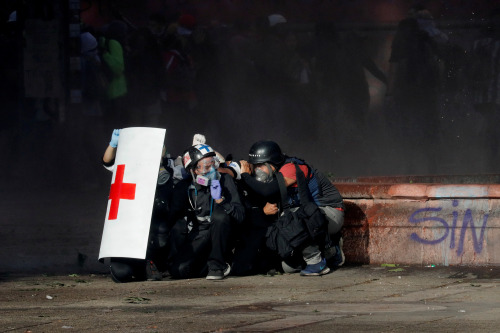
265,160
204,207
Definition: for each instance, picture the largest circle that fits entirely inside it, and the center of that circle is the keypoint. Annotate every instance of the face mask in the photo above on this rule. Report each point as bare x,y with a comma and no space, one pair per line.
204,181
206,178
205,171
211,174
263,176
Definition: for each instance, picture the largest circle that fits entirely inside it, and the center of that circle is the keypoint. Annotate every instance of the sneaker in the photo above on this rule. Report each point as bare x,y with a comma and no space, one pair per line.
152,272
339,257
218,274
315,270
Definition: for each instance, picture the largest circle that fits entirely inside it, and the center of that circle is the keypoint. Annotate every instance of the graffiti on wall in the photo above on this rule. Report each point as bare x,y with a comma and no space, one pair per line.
451,231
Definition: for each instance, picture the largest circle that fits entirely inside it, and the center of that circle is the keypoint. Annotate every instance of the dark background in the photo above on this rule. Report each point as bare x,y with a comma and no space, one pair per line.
53,148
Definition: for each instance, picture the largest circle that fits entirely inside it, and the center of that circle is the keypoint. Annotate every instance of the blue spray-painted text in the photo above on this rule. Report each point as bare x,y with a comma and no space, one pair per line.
467,222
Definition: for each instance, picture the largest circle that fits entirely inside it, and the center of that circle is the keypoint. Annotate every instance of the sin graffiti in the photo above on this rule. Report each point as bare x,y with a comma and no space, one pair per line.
467,222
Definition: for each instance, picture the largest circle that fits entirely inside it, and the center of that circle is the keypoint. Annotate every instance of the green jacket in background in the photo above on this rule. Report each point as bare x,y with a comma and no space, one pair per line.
112,55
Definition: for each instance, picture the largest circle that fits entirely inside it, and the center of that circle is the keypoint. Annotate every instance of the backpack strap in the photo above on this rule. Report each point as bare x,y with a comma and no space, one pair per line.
304,193
301,184
285,206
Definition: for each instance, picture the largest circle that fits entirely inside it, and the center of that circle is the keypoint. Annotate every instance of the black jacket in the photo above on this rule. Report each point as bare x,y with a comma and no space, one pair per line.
195,201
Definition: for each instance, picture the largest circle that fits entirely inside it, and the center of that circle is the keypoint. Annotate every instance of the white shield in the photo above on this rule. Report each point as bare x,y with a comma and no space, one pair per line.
131,197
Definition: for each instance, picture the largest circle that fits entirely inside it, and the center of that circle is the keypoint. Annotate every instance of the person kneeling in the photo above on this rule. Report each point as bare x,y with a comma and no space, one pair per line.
204,208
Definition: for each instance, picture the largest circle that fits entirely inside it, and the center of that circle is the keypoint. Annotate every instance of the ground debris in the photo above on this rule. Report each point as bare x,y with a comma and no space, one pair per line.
137,300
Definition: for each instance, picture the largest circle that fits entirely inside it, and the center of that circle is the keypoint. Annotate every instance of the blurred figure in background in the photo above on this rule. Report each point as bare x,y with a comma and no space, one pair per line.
145,74
484,72
413,91
113,45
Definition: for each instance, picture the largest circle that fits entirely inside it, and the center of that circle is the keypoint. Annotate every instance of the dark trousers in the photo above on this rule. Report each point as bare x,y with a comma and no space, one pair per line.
205,246
158,248
251,256
129,269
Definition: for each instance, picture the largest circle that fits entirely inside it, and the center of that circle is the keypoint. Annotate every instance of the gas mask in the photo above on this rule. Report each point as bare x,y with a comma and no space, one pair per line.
206,172
211,174
163,176
262,176
163,173
205,179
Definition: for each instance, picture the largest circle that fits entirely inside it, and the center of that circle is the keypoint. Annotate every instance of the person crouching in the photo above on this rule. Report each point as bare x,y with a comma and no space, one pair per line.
203,209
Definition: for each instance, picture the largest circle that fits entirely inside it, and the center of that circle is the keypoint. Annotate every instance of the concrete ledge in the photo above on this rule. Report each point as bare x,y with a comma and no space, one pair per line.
422,224
418,191
417,179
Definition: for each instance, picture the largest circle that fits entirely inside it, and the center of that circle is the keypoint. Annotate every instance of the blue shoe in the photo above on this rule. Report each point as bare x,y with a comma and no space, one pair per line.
315,270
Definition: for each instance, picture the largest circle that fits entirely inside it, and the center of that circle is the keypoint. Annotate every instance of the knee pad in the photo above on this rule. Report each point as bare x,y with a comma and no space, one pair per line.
121,272
127,269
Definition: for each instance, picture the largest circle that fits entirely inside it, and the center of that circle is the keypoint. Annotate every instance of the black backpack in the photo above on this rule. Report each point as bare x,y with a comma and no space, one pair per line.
296,229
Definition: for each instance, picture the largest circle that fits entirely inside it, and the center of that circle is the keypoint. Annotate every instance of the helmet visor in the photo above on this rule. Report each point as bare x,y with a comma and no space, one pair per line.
204,165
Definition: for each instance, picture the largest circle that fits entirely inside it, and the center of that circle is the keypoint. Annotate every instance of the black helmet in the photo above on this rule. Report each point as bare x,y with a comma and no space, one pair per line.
195,153
265,151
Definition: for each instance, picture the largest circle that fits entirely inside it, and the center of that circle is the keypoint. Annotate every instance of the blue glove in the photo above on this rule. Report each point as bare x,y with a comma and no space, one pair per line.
114,138
215,189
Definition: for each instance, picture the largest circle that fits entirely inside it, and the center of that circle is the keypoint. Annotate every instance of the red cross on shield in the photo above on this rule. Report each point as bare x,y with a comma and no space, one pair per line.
119,190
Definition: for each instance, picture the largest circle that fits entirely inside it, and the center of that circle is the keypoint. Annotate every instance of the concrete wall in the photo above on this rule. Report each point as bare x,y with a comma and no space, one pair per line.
59,230
422,224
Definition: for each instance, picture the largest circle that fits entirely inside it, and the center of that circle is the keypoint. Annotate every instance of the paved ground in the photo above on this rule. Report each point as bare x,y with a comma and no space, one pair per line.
351,299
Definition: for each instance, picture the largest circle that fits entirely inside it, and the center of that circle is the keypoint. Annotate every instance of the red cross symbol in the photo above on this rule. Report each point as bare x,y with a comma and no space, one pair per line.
119,190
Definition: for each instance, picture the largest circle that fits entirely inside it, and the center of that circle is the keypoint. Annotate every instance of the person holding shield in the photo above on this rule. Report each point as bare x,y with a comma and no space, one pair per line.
203,211
131,269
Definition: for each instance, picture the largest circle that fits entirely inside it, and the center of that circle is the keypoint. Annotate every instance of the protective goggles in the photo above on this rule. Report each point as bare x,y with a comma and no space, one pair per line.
204,165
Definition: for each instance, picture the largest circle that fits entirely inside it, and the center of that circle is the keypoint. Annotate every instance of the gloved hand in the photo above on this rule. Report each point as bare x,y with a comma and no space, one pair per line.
215,189
114,138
